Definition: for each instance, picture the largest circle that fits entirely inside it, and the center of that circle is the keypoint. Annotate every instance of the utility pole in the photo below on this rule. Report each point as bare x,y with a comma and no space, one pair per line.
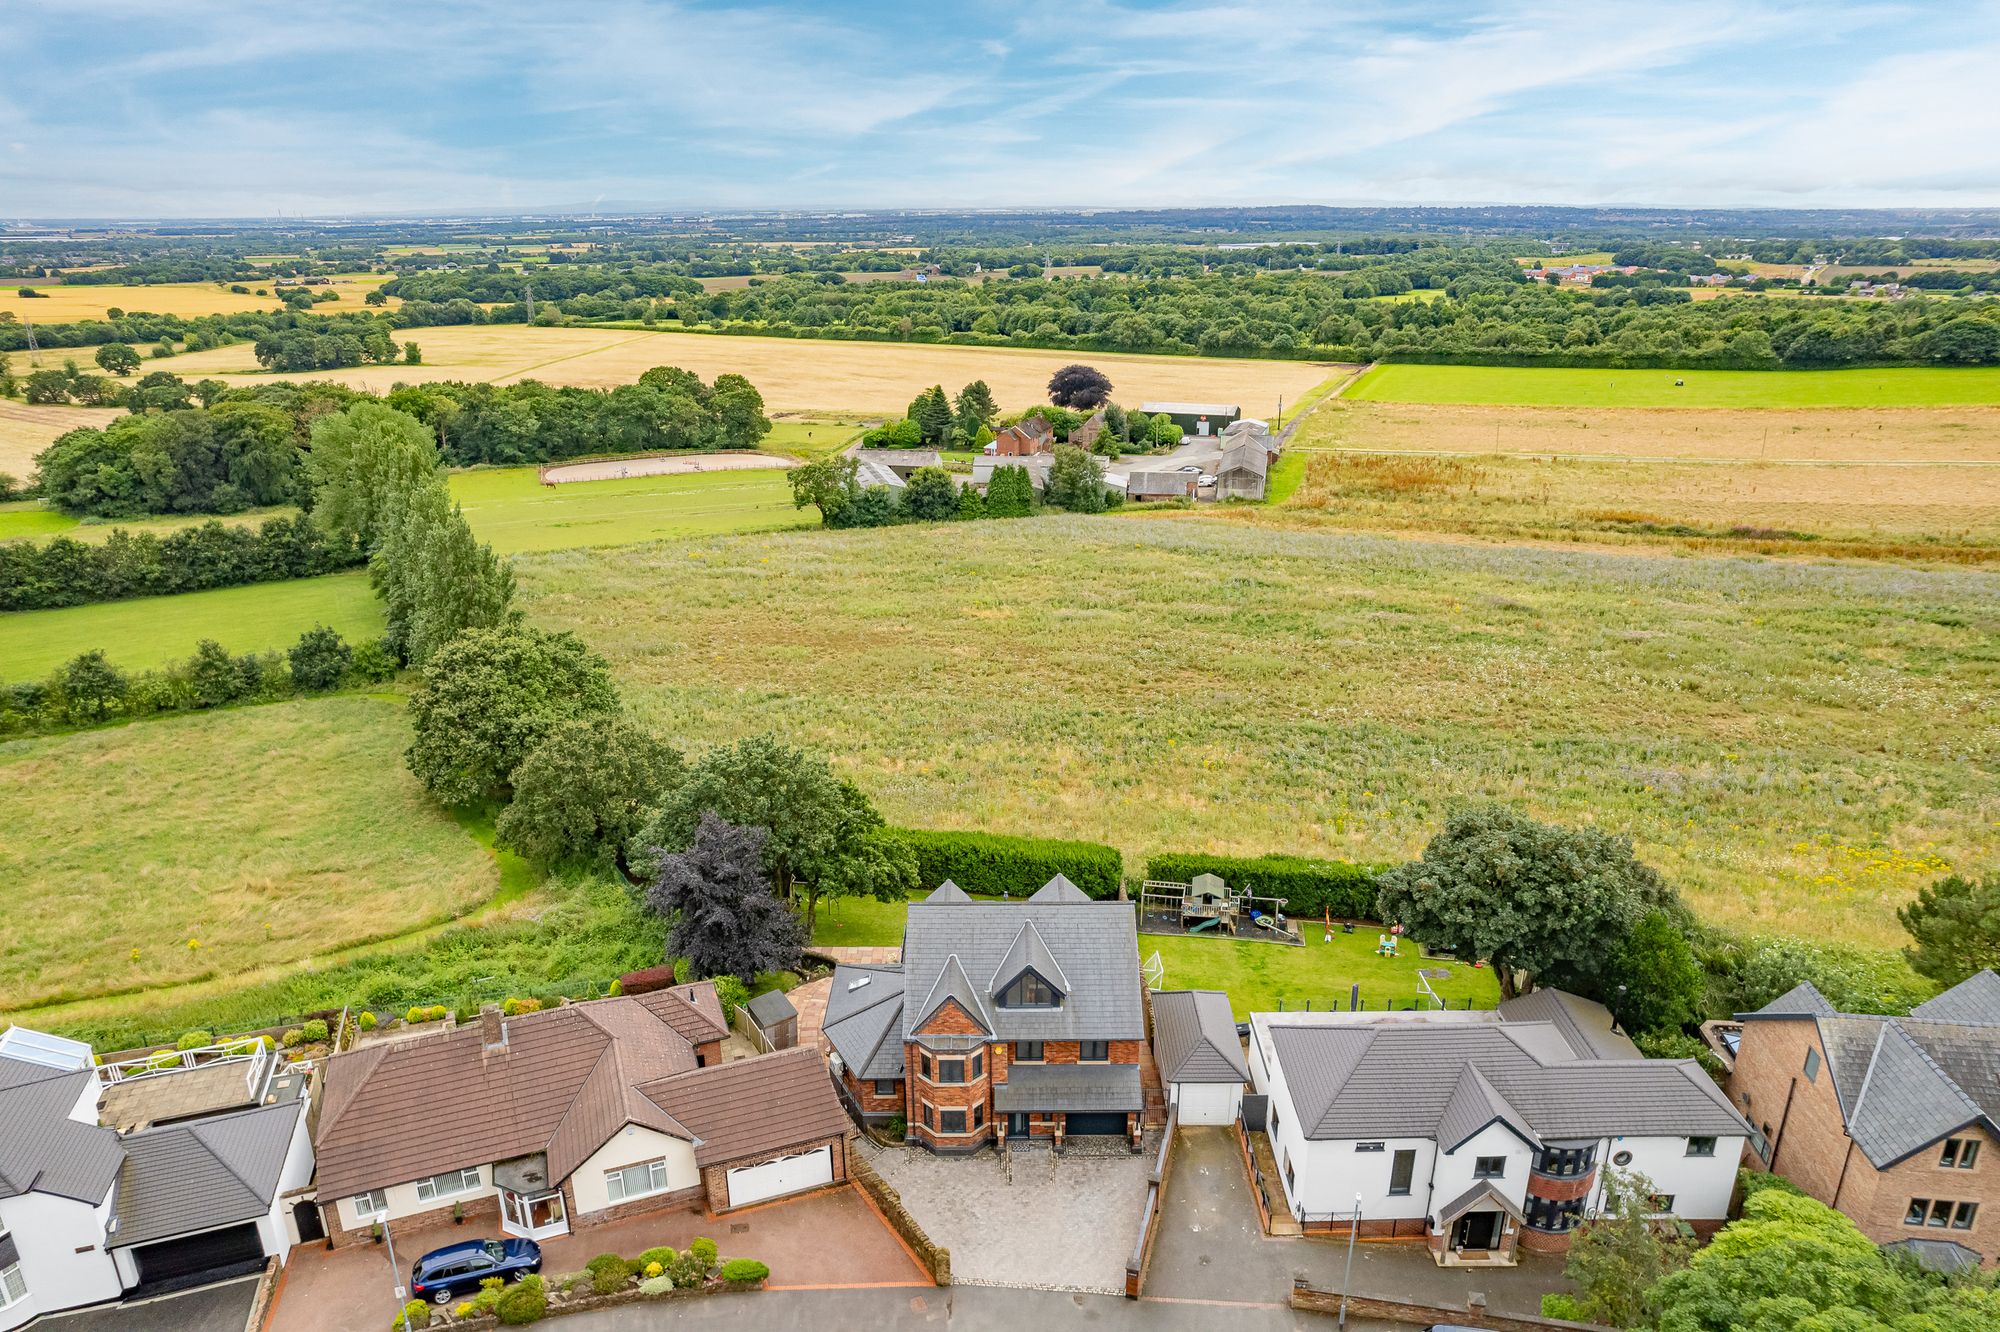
1348,1281
33,359
396,1272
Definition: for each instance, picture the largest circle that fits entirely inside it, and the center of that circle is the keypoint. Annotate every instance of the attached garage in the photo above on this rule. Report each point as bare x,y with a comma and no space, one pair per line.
1208,1102
775,1179
213,1255
1097,1125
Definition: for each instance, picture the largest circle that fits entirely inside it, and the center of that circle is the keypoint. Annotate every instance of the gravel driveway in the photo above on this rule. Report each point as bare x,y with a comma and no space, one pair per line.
1058,1223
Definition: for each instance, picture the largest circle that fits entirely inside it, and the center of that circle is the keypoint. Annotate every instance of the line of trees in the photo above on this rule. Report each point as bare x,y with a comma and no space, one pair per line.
65,572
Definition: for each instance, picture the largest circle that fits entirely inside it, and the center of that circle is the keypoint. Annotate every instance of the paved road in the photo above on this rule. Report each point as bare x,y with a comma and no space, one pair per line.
211,1309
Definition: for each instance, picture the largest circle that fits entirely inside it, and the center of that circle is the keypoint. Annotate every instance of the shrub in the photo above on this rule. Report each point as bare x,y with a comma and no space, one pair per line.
1754,1182
608,1272
366,1021
613,990
991,864
319,658
1310,888
415,1314
744,1271
652,1269
1558,1305
660,1257
732,994
373,662
648,979
417,1014
704,1251
657,1285
314,1031
694,1267
291,1038
516,1007
192,1040
1678,1045
437,1013
463,1309
526,1302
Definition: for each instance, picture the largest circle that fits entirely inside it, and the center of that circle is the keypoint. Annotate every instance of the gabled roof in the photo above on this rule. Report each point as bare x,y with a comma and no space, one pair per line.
1481,1195
1251,454
770,1008
395,1111
43,1150
1409,1079
1973,1002
1586,1025
1194,1037
753,1107
1059,889
212,1172
1905,1082
864,1019
1472,1106
1094,944
948,892
953,986
1028,953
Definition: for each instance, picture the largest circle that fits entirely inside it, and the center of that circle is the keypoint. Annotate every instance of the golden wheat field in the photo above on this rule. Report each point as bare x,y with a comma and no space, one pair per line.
26,430
799,375
61,304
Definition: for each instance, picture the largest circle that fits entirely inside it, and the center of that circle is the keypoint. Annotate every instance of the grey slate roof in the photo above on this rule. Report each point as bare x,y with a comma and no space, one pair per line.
1194,1037
1973,1002
1028,953
1059,889
770,1008
953,986
43,1150
864,1019
948,892
1390,1081
1585,1024
196,1176
1096,944
1079,1087
1905,1082
1473,1104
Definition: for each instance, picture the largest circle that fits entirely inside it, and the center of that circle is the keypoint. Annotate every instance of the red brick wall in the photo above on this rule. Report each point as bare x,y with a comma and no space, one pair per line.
710,1052
863,1092
951,1020
481,1214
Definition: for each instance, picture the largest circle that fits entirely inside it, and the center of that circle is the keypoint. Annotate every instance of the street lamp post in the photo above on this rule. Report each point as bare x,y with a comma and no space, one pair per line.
395,1272
1348,1281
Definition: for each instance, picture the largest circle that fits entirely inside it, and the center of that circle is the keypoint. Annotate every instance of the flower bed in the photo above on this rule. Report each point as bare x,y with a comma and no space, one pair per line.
609,1279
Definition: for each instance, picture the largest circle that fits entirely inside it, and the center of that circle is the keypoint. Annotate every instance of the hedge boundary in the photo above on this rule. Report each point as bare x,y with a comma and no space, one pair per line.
1310,887
993,864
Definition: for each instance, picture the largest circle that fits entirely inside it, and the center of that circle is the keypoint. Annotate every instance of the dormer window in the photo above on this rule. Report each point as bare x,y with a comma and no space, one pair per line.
1029,990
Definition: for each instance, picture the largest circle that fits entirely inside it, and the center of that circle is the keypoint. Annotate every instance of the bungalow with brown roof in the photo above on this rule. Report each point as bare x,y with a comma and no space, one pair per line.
571,1117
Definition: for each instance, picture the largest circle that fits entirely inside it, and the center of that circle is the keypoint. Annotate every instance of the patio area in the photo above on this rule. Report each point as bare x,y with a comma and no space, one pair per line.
830,1238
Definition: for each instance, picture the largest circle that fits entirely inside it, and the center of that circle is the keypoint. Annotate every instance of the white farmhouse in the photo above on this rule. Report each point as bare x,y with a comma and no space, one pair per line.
1479,1132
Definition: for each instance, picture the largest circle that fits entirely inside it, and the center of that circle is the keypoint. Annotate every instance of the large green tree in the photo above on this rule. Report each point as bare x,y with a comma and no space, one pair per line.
974,410
1075,481
725,919
489,696
933,415
117,358
820,824
1525,896
361,459
830,484
583,792
1954,927
1009,493
1619,1254
931,496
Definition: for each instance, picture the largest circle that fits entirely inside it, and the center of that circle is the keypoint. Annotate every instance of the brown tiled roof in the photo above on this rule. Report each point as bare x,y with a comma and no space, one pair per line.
398,1111
753,1107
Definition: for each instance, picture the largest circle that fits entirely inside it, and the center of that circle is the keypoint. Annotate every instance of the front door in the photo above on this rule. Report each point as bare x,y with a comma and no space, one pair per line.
1476,1230
1017,1124
533,1216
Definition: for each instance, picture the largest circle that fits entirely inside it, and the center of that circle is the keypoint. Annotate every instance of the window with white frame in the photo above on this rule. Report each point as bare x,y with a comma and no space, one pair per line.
372,1204
636,1181
13,1284
447,1184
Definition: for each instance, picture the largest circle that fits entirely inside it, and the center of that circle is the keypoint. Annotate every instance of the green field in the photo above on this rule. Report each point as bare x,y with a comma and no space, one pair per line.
509,507
32,519
1791,743
1536,387
27,518
215,845
1260,977
151,631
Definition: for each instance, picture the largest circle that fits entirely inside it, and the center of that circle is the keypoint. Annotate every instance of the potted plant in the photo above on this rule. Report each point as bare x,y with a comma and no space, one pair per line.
458,1213
375,1232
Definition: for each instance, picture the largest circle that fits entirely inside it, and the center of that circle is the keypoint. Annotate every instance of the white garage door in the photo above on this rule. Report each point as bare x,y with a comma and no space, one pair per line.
1207,1102
774,1179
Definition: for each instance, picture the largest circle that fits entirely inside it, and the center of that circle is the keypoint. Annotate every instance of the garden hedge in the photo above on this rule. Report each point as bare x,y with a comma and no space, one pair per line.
989,864
1309,887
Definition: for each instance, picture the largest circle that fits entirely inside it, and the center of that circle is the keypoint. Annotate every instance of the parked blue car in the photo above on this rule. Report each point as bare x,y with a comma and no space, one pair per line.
455,1271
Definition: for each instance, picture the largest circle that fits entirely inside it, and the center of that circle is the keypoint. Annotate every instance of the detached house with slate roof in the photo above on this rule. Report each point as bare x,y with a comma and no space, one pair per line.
1894,1121
1478,1132
1004,1020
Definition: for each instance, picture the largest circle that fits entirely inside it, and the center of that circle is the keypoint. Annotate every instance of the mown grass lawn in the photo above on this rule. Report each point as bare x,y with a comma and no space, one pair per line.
172,850
1795,745
1260,977
510,508
1902,386
151,631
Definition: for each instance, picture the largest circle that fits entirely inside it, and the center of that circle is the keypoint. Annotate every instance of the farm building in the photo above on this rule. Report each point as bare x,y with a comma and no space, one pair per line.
1161,485
1244,469
1195,418
1038,466
900,461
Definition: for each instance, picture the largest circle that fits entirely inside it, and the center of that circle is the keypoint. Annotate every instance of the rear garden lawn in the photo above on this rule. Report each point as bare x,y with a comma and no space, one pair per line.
1258,976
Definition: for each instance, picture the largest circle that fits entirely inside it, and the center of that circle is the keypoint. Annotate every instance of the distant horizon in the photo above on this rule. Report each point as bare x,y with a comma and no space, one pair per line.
118,110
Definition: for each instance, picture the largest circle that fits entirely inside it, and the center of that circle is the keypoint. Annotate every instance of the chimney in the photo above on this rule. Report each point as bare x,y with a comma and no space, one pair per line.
492,1030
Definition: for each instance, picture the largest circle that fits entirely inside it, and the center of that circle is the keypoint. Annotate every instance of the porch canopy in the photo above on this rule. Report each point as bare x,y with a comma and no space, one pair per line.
1482,1197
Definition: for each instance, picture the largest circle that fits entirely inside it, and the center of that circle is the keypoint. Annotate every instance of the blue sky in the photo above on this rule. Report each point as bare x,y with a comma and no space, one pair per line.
160,108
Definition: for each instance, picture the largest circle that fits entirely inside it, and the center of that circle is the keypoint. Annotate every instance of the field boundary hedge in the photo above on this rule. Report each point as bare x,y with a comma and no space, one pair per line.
990,864
63,571
1310,887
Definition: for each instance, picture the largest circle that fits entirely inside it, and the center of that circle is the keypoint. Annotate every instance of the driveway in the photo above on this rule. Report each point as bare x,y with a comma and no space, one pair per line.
1052,1223
831,1238
223,1308
1212,1246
